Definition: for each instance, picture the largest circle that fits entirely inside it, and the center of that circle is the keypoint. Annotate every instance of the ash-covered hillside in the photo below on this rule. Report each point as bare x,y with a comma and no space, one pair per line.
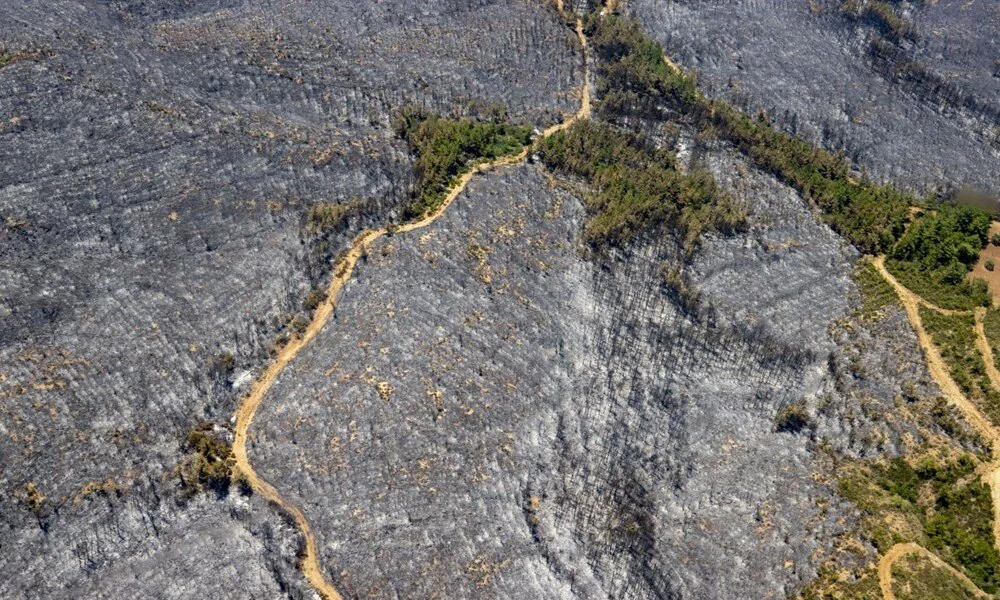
909,90
159,159
642,355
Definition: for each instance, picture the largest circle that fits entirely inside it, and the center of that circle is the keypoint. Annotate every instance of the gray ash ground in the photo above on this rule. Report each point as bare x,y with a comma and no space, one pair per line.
158,160
492,413
813,71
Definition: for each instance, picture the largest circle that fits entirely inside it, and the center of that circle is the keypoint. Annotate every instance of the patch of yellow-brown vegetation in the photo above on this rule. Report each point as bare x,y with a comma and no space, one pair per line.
988,266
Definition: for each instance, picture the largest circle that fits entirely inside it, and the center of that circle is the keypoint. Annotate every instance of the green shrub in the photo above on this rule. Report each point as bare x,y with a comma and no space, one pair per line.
209,463
632,66
961,528
899,478
793,418
9,56
995,239
327,217
686,295
299,324
446,148
937,287
917,577
31,497
313,299
989,264
885,18
991,326
876,292
223,363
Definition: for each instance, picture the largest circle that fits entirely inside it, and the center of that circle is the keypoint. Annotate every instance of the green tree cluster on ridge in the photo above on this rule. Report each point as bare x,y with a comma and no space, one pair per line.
446,148
637,187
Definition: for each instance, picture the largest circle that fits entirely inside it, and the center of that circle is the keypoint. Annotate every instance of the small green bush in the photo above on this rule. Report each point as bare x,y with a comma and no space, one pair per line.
882,15
327,217
313,299
31,497
876,292
899,478
299,324
793,418
223,363
9,56
679,287
209,464
990,264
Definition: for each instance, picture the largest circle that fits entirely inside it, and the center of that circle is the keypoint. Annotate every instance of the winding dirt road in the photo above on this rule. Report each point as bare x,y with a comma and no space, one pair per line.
309,562
984,348
899,551
935,364
976,419
343,270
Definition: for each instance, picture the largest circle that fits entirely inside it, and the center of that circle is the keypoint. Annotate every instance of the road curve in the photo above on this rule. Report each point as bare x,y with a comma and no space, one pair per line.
935,364
939,371
309,560
899,551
